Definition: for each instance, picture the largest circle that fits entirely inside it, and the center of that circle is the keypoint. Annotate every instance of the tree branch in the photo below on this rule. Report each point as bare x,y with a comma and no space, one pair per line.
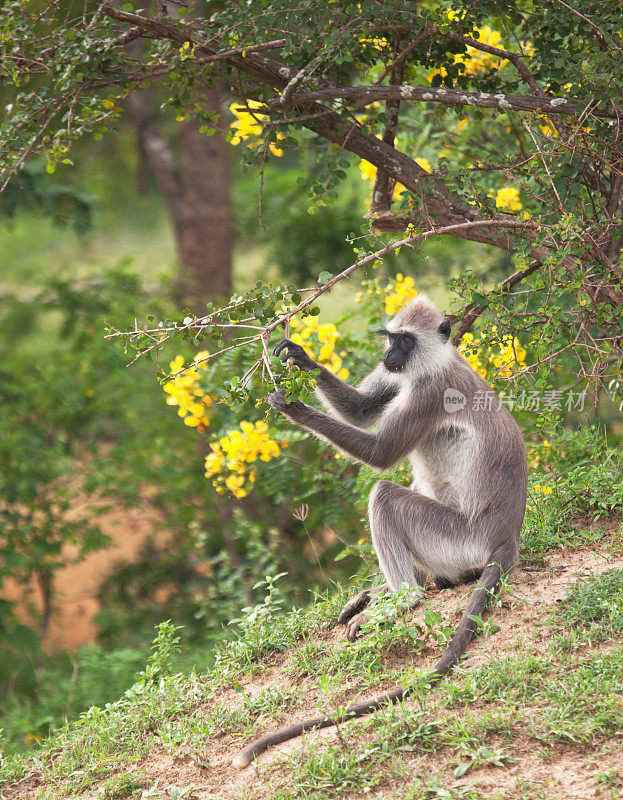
199,324
472,311
445,207
383,184
365,95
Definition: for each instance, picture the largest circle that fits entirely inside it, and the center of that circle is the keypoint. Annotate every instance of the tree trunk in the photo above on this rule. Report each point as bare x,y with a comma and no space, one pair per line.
44,579
197,196
206,235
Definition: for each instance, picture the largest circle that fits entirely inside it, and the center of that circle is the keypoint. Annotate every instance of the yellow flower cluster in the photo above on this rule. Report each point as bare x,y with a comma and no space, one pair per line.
378,42
399,294
249,125
368,172
234,452
509,356
396,294
476,61
507,198
542,489
184,391
308,332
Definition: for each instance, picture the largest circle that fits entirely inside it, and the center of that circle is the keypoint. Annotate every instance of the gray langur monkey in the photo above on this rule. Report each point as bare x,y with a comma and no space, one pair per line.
460,519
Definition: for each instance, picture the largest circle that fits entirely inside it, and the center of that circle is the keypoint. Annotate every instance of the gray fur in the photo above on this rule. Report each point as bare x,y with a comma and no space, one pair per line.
462,515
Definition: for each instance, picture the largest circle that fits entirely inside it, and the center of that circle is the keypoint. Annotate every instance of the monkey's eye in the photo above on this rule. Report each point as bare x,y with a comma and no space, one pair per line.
408,339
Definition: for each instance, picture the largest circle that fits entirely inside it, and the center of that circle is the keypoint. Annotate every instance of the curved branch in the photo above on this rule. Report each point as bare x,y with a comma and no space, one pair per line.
159,335
514,58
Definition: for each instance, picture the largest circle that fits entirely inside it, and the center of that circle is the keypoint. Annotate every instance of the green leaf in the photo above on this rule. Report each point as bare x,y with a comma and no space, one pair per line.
462,769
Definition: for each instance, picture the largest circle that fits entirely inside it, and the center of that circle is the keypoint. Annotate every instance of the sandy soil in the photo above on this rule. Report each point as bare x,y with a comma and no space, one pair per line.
76,586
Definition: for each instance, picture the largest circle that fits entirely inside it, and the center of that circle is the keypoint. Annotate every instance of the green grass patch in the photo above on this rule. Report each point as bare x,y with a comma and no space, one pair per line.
595,606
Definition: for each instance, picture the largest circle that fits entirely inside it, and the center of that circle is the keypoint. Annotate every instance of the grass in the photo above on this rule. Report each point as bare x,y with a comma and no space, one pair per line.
551,693
546,698
595,606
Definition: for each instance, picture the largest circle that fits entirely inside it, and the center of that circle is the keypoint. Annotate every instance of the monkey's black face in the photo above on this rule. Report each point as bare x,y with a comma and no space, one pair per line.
401,348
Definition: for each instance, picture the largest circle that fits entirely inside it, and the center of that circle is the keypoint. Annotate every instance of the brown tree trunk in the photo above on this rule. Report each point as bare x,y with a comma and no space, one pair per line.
206,231
44,579
197,196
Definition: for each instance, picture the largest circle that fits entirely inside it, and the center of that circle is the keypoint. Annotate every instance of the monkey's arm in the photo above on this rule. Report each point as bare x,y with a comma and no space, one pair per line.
395,439
361,407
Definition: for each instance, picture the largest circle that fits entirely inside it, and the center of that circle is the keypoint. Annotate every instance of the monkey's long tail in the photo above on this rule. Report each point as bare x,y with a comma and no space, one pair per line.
487,584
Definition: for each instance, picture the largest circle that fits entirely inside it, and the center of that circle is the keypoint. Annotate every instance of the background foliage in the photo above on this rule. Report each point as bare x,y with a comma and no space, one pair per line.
511,146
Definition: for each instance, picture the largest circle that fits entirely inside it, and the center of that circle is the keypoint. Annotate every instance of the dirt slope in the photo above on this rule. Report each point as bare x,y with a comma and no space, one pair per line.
521,617
537,768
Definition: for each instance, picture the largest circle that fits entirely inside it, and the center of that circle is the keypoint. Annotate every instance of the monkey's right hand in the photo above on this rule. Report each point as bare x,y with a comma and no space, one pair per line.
296,353
295,410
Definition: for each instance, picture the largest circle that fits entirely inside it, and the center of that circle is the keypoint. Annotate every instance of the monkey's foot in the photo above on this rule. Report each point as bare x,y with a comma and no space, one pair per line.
354,606
356,622
353,626
358,603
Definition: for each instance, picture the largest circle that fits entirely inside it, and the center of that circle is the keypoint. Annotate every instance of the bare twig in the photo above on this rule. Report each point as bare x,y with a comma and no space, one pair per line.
472,311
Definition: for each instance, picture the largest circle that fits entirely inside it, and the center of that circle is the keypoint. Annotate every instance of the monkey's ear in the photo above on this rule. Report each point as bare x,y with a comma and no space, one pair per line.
444,329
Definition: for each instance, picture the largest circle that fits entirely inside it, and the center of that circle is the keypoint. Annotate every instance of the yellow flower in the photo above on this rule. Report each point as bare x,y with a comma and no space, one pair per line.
327,335
547,129
509,356
183,391
508,198
396,294
476,61
399,293
249,124
235,451
378,42
235,485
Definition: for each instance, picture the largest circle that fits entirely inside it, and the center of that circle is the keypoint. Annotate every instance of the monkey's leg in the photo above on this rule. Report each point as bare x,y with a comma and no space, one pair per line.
467,577
414,535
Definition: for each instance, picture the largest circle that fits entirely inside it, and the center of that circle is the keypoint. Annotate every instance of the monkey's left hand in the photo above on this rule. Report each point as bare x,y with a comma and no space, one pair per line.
286,348
278,401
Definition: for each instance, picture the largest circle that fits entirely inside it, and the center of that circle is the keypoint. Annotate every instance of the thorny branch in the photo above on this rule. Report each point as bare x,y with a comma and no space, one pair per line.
201,324
443,206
